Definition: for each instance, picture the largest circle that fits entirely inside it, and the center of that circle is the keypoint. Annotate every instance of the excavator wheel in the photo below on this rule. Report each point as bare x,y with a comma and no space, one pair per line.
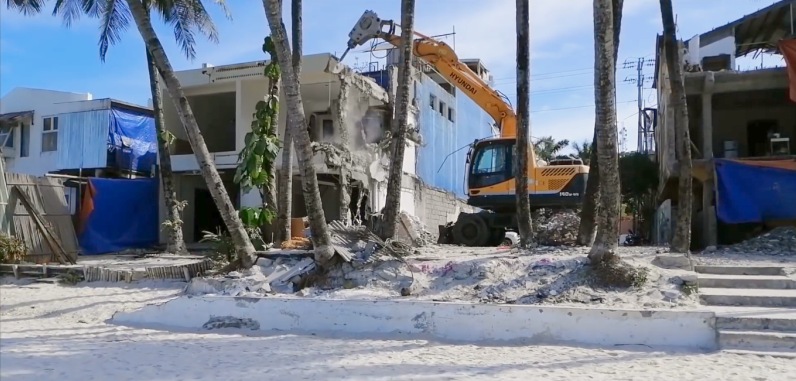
471,230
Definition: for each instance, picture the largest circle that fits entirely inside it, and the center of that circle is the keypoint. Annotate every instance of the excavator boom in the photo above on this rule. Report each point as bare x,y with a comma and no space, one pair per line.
490,166
446,62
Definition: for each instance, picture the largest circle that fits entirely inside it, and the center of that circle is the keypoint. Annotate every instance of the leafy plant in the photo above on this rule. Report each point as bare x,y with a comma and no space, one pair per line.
547,147
70,278
257,158
223,247
12,249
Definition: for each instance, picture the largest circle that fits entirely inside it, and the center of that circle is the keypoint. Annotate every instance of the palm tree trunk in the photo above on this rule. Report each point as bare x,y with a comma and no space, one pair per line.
681,240
285,201
240,239
295,111
605,244
176,242
393,203
524,122
589,213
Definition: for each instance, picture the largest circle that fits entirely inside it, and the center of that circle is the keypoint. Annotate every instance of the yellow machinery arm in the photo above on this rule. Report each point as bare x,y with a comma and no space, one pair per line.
440,55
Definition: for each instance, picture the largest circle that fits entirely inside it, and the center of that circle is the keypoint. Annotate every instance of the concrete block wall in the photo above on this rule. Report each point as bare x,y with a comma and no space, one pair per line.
436,207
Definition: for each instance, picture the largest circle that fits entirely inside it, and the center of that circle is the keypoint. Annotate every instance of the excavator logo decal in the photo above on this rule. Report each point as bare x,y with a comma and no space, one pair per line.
464,83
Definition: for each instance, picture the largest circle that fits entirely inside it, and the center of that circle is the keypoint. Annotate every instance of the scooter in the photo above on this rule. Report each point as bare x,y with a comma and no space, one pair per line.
632,239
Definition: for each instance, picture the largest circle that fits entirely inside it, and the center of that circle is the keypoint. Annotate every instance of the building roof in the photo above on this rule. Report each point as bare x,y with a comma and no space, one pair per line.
12,116
759,31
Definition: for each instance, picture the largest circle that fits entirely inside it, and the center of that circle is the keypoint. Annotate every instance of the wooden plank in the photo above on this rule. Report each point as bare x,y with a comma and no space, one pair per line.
46,232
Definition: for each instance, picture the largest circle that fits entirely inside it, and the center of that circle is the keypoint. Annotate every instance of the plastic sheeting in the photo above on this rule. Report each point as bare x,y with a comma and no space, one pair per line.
132,140
748,193
118,214
80,142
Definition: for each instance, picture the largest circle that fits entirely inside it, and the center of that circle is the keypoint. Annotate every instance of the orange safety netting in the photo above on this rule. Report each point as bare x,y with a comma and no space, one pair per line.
87,207
788,49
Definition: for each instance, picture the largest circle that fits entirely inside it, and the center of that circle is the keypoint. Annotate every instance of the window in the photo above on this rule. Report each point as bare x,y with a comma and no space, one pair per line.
433,101
49,134
450,114
492,159
7,136
24,140
327,128
442,108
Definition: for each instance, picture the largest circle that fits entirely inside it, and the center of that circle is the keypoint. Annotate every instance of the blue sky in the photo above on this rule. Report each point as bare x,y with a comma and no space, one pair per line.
561,49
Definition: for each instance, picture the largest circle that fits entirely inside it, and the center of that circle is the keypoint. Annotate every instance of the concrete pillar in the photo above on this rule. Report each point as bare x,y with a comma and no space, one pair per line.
707,116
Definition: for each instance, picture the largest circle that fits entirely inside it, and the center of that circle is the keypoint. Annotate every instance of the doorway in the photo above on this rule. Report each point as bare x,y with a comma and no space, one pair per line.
206,216
758,136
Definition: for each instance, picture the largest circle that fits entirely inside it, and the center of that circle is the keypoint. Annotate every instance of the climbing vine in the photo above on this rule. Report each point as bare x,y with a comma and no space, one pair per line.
256,159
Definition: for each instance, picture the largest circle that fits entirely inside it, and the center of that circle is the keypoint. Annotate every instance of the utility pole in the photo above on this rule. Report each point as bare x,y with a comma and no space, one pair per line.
643,129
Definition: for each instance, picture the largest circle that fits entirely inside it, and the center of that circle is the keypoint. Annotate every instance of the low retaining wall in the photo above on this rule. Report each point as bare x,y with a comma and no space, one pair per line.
448,321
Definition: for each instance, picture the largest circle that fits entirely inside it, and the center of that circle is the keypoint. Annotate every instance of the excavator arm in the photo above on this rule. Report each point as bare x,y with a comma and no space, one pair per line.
440,55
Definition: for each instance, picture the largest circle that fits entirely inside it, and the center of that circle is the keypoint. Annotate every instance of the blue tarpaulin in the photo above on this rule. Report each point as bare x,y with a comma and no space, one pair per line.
748,193
133,140
118,214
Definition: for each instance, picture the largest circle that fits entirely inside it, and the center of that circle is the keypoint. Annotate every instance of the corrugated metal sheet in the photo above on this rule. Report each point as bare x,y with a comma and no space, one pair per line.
83,139
346,238
47,197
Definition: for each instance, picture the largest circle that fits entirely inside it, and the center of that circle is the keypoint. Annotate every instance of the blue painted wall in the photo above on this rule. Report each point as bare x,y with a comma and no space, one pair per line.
459,123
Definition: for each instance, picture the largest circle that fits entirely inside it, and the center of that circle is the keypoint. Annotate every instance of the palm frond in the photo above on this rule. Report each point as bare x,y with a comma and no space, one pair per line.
187,16
115,20
26,7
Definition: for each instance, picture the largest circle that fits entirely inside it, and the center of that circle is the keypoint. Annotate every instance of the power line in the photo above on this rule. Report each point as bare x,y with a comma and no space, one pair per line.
573,107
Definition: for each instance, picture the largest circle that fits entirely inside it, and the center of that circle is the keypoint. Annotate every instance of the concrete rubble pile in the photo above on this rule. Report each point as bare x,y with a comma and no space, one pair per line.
556,228
779,241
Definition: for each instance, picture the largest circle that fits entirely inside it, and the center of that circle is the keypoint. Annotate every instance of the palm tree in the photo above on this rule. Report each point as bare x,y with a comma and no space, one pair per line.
524,122
400,120
583,150
681,239
301,138
547,147
115,10
591,204
605,244
185,16
285,201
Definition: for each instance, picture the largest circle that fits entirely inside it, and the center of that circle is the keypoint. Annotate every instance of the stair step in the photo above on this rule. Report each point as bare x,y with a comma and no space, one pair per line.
747,297
777,354
747,281
739,270
760,319
757,340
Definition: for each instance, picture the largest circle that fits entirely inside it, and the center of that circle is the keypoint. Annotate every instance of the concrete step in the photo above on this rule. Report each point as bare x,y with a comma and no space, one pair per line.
747,281
747,297
776,354
757,340
756,319
739,270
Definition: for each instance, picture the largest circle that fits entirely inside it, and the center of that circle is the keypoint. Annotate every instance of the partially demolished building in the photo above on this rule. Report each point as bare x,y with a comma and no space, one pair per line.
348,121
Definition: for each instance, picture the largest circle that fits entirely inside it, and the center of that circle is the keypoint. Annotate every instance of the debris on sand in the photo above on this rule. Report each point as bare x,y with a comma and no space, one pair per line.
780,241
556,228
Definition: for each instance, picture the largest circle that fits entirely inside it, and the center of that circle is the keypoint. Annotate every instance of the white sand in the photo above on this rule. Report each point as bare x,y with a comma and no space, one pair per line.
59,333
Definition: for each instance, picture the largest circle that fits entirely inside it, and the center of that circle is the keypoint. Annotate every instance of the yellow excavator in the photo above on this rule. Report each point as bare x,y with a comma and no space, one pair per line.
490,170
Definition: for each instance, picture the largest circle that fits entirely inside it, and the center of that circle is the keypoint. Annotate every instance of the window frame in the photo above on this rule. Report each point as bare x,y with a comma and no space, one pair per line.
49,131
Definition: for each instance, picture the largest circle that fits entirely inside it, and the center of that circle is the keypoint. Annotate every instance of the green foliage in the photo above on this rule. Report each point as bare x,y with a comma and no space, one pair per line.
583,151
12,249
256,159
70,278
547,147
223,247
256,217
638,175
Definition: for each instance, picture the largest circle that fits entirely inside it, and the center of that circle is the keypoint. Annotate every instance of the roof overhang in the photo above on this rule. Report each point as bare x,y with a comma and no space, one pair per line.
9,119
759,31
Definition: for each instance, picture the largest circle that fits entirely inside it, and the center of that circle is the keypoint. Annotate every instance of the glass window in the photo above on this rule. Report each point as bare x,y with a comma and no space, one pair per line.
491,159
